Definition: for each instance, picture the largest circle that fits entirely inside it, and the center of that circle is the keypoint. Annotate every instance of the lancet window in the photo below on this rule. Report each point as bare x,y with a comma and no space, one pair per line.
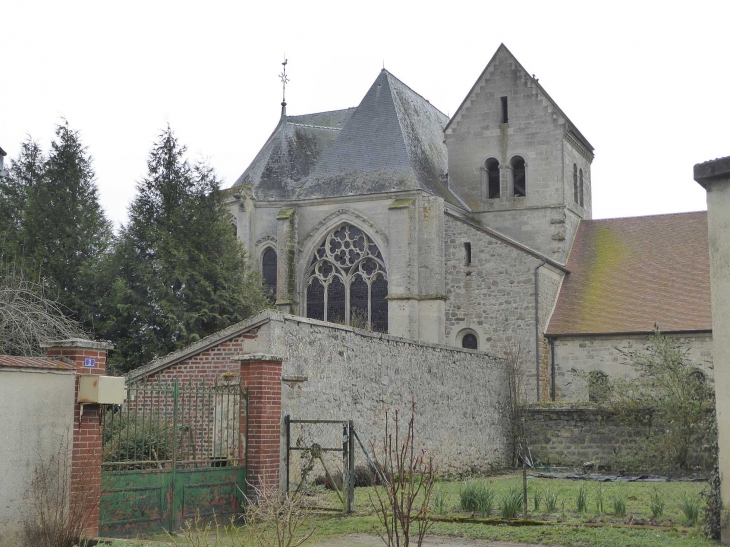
347,282
268,271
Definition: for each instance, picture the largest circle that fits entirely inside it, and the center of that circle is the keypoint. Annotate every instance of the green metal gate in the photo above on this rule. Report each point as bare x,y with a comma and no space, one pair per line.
173,451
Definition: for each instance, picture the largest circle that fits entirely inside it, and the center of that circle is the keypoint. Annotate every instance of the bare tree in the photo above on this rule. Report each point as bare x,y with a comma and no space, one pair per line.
28,317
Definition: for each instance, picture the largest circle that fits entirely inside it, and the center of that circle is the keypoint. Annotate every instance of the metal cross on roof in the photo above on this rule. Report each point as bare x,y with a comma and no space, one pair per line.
284,81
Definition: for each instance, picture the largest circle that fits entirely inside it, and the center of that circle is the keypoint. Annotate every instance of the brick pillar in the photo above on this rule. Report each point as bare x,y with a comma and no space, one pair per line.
86,444
261,375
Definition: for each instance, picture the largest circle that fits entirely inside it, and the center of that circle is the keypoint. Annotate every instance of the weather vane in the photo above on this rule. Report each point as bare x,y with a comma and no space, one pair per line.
284,81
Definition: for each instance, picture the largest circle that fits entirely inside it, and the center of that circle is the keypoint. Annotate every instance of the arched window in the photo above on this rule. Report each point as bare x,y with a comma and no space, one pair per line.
580,188
518,176
346,281
234,227
493,183
598,386
268,271
575,183
469,341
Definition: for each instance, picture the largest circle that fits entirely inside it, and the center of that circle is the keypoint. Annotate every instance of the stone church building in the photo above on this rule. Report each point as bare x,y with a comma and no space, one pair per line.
473,231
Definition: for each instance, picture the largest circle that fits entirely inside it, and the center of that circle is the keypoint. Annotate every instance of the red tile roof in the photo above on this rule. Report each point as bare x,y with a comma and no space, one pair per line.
629,273
34,362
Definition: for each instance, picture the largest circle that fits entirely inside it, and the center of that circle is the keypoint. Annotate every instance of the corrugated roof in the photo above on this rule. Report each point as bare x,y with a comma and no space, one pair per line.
393,141
291,152
12,361
629,273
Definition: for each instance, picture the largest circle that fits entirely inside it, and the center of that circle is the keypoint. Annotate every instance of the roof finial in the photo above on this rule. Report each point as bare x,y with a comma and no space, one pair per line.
284,80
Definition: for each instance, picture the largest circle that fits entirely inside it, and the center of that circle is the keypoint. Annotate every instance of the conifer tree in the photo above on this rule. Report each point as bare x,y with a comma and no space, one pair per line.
24,173
64,232
179,271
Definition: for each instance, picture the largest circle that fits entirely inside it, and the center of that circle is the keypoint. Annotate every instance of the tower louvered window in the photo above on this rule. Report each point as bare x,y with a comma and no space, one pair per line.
519,176
575,184
347,282
580,188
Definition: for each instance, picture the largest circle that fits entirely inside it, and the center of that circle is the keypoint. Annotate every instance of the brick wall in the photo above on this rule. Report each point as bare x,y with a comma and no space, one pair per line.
261,375
86,455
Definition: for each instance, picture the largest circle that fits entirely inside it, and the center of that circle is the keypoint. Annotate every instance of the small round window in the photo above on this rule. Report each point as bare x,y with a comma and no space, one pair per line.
469,341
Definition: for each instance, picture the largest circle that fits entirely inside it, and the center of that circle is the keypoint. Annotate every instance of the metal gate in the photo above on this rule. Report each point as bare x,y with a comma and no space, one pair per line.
320,463
173,451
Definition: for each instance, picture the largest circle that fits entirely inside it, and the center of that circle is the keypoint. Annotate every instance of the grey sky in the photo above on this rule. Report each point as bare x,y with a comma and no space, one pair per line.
646,82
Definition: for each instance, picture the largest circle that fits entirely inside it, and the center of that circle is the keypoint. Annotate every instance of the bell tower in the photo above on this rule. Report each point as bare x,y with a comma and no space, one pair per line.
517,161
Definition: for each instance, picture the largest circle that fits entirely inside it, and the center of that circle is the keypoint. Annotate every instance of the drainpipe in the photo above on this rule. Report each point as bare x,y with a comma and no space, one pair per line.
551,342
537,331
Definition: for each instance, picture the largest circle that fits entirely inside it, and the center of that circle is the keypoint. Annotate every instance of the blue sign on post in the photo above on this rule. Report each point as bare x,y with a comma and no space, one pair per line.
89,362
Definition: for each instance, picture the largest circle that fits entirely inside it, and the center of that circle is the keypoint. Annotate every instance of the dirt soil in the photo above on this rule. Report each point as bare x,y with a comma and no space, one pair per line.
366,540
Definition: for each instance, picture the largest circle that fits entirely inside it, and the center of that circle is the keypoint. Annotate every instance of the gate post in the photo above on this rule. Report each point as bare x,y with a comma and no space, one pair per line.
261,375
85,490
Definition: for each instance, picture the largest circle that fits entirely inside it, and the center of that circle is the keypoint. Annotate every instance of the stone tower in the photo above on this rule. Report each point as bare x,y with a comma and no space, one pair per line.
517,161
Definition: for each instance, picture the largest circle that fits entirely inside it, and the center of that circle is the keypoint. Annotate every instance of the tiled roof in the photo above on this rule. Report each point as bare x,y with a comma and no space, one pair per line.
12,361
629,273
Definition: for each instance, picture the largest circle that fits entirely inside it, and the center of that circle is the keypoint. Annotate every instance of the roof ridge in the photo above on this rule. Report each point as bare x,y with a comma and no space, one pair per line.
645,216
315,126
413,91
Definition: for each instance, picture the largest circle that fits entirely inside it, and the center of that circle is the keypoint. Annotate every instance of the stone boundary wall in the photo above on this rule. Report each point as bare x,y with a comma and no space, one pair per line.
461,395
572,434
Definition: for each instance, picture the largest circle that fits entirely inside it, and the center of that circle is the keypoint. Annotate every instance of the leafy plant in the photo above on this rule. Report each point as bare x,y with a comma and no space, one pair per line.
656,503
477,497
439,501
618,503
511,502
404,501
537,499
691,508
599,493
551,500
581,501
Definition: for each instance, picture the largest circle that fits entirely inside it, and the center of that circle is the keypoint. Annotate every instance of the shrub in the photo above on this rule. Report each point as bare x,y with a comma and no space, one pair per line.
477,497
618,502
364,476
581,501
656,503
551,500
510,504
600,491
691,509
537,499
403,504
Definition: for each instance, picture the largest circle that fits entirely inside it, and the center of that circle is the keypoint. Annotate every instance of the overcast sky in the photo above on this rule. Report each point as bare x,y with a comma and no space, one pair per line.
646,82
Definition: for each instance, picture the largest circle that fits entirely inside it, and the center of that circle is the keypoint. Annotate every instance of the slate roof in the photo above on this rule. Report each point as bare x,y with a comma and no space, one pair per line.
392,141
49,363
291,152
628,273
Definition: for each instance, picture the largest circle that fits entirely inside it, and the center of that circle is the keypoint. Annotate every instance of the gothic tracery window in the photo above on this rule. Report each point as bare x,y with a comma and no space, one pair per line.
347,282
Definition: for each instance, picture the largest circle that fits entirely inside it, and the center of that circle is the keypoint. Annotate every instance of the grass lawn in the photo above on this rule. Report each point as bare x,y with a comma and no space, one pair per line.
569,526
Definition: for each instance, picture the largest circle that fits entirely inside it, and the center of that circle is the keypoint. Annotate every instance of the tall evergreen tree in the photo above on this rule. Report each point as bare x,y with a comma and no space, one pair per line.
24,173
64,232
180,273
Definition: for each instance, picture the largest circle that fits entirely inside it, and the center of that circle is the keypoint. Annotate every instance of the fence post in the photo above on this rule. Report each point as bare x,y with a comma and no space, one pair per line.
89,358
261,376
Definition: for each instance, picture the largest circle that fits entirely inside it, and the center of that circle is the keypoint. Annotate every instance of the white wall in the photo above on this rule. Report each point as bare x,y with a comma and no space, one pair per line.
36,420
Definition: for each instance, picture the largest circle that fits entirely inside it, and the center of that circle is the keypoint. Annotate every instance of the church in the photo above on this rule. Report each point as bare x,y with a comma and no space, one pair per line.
473,231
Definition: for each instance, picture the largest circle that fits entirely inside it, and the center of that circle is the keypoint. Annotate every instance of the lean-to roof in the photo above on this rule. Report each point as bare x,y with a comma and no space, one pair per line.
629,273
